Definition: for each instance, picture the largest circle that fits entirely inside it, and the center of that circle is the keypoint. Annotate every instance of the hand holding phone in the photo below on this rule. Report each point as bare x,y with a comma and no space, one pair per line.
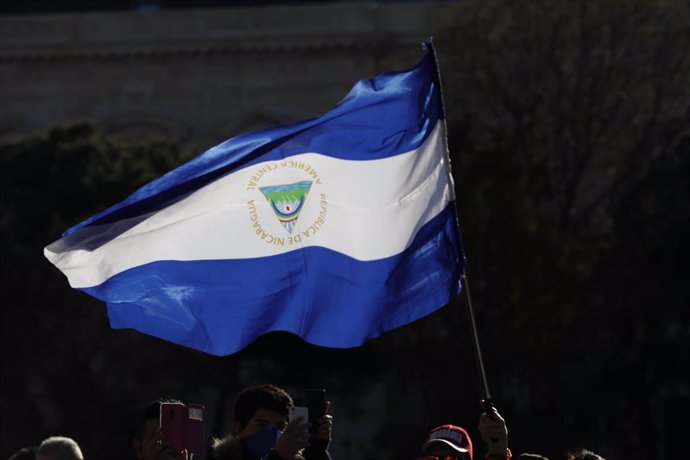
295,437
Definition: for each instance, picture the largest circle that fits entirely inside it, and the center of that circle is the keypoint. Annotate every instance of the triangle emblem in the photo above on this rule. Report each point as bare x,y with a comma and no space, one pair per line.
286,201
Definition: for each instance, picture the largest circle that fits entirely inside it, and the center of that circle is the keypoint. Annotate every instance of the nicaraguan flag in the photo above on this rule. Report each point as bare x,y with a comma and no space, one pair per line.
336,229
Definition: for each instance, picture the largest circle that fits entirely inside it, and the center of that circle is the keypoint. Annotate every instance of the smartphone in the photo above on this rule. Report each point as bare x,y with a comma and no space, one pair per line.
316,402
195,428
299,411
174,418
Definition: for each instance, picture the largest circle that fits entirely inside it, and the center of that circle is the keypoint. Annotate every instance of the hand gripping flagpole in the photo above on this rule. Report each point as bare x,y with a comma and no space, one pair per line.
428,45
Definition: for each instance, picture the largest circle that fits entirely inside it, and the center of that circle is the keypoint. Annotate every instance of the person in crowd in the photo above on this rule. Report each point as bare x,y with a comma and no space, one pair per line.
454,443
148,442
447,442
59,448
263,431
584,454
25,453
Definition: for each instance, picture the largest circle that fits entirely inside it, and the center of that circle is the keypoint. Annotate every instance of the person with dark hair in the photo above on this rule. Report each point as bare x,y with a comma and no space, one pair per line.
584,454
263,432
148,442
59,448
25,453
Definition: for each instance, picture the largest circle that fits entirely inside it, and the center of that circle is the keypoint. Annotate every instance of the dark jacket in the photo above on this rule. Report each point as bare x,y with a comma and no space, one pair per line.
232,448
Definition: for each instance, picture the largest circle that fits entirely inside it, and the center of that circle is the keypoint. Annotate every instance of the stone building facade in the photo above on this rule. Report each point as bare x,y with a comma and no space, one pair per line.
199,75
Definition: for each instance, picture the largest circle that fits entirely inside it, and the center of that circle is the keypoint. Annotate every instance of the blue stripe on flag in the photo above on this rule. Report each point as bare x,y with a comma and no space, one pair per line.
327,298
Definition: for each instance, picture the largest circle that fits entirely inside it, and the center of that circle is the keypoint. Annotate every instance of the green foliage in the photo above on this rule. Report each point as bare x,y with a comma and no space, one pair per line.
51,181
51,334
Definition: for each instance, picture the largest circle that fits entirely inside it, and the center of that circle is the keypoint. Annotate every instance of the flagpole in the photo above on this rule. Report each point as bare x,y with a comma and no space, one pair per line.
428,45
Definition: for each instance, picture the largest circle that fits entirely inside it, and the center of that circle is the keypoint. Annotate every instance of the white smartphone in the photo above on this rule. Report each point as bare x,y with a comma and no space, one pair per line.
299,411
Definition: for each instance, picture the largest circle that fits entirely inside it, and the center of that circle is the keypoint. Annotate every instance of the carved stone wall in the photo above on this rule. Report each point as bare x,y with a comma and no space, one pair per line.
199,75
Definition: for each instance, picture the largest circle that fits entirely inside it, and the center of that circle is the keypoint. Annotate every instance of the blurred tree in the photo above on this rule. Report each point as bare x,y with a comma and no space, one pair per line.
56,359
562,114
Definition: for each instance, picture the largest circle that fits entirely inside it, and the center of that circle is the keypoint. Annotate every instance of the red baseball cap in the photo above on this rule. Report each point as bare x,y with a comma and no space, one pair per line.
452,436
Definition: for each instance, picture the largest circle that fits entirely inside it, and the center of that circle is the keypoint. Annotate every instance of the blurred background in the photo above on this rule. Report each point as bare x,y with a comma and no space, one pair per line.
569,131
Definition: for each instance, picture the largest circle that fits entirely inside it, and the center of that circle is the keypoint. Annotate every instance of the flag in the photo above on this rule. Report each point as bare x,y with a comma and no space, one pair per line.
336,229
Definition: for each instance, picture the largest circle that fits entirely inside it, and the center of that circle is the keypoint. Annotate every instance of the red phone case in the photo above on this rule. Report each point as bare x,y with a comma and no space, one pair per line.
174,424
195,433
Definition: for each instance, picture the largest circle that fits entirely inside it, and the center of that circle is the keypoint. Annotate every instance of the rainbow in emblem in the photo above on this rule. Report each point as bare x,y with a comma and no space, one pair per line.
287,201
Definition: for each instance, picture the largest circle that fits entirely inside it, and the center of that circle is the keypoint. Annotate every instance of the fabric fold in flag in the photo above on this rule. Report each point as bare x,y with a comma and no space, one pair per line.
336,229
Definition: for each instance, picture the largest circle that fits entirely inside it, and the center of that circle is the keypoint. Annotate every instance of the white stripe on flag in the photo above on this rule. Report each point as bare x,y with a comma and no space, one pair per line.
353,207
